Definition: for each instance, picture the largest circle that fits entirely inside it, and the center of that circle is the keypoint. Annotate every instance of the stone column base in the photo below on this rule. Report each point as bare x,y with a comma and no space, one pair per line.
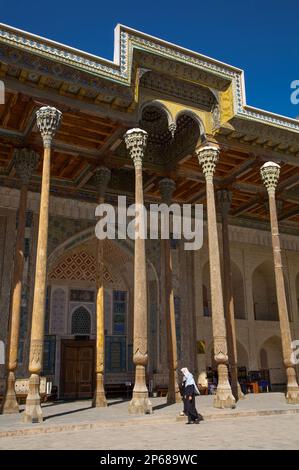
10,404
224,399
140,405
292,396
33,410
99,399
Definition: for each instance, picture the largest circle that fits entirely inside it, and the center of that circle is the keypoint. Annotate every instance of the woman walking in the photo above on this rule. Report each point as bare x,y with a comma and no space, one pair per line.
190,390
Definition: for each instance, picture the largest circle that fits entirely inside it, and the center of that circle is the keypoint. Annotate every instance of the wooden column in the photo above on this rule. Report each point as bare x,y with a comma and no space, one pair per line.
135,140
270,176
208,156
167,186
48,120
99,400
25,161
224,198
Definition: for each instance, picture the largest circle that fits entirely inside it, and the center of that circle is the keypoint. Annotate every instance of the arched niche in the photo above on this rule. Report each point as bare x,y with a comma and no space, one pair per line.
238,291
264,292
242,356
81,321
168,139
270,355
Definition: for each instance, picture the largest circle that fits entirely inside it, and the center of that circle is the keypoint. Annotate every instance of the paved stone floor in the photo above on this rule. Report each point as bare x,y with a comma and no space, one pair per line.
259,422
270,432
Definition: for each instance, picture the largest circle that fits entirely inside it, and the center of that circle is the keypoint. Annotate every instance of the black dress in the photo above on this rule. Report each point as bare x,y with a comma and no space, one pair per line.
189,404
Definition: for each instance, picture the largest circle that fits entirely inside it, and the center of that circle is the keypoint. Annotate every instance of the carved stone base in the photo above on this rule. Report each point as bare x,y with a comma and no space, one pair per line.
224,397
140,405
10,404
33,411
99,398
292,395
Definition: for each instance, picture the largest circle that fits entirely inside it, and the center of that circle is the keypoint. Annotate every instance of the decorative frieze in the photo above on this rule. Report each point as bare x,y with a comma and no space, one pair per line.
157,54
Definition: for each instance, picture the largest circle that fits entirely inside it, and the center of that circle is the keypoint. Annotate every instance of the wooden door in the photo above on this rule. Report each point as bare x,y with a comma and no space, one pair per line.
85,371
77,369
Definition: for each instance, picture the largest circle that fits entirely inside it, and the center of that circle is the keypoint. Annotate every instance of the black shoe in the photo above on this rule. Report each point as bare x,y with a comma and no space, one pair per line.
190,422
196,421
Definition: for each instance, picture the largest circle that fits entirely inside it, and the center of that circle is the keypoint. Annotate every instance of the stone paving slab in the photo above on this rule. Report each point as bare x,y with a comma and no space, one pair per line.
255,433
80,416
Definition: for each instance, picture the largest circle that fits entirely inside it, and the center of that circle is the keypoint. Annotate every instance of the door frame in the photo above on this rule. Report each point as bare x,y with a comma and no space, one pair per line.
75,343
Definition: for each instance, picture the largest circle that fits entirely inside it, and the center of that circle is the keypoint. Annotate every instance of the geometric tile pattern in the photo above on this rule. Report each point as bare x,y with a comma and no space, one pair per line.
79,266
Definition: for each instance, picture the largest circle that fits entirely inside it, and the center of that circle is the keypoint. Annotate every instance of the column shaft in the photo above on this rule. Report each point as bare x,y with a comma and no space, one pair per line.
10,404
33,412
140,402
270,175
230,311
292,395
208,157
173,394
99,400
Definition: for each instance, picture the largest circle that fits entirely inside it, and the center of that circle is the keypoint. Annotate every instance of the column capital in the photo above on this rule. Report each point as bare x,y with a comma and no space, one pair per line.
135,140
270,176
166,187
102,178
208,156
224,199
48,120
25,161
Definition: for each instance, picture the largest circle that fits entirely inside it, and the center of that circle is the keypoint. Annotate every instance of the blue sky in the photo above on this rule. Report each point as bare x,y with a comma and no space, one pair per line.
259,36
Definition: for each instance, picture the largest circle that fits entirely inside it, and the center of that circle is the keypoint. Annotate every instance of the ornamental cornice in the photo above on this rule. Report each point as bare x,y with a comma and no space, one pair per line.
127,41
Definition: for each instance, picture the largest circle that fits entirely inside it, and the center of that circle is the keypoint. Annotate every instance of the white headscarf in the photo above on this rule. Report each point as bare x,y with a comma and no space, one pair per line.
189,379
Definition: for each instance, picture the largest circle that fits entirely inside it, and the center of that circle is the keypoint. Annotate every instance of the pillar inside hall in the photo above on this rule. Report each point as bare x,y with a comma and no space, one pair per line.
224,198
208,156
103,175
135,140
48,120
270,176
167,186
25,161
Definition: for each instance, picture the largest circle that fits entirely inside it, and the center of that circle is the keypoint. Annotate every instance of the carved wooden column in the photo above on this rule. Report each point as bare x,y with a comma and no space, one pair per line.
48,120
167,186
208,156
224,198
135,140
270,176
102,177
25,161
